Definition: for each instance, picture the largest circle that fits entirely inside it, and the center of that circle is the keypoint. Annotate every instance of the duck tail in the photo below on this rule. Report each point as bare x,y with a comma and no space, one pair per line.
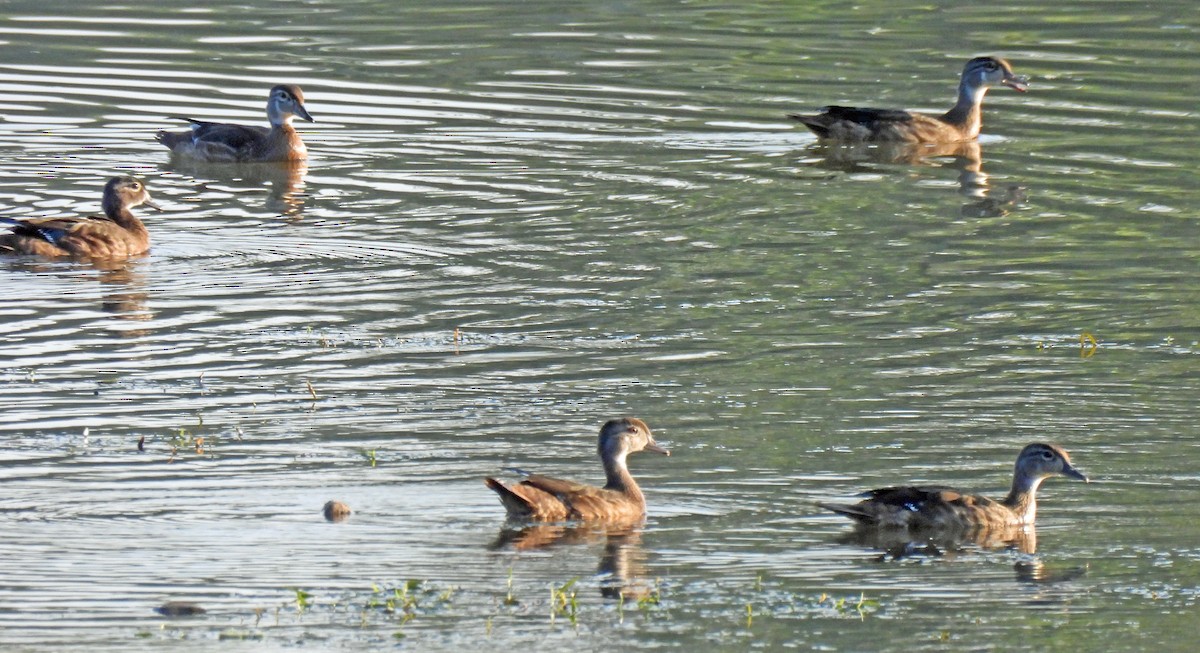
853,512
516,505
167,138
812,122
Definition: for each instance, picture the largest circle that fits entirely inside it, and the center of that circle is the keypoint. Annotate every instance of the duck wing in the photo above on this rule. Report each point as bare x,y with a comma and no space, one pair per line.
53,230
864,115
867,124
899,506
559,487
233,136
527,502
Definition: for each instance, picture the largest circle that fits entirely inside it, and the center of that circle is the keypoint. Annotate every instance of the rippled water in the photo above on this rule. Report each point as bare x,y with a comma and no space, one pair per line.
520,219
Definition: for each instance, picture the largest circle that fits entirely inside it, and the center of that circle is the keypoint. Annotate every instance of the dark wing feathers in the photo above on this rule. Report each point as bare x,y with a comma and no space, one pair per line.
866,114
234,136
52,230
909,495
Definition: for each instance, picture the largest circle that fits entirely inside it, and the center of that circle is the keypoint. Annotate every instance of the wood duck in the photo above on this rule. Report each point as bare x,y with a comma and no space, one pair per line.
224,143
960,123
546,499
937,507
117,234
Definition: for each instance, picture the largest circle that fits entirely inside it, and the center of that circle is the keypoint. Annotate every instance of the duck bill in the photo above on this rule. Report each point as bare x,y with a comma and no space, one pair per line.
1019,84
656,449
1071,472
303,114
152,204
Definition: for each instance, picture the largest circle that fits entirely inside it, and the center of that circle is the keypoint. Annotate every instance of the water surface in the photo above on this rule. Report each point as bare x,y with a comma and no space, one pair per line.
519,220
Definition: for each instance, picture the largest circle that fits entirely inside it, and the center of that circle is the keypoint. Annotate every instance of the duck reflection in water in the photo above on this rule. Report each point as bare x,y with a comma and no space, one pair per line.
622,571
964,157
283,181
125,296
898,544
939,521
122,285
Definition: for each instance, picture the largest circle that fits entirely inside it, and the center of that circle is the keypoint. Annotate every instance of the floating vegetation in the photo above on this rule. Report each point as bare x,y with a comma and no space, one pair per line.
183,441
845,606
650,600
644,597
1087,345
509,599
236,635
402,604
414,610
303,600
564,601
369,455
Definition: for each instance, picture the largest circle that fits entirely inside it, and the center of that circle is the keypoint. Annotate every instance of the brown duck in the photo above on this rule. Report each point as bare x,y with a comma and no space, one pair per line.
542,498
224,143
960,123
938,507
118,234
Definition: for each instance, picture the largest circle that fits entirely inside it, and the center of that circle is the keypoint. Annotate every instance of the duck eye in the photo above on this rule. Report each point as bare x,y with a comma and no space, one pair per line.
1046,455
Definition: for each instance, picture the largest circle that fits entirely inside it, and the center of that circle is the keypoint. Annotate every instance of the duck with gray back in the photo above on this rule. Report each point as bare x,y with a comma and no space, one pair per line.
961,123
937,507
217,142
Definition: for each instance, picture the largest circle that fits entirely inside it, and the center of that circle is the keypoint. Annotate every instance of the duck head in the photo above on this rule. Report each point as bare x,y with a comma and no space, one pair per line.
982,72
1040,461
127,192
286,101
619,437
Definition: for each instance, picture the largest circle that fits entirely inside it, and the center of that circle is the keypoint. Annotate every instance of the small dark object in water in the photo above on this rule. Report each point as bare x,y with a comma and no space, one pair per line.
180,609
142,443
336,511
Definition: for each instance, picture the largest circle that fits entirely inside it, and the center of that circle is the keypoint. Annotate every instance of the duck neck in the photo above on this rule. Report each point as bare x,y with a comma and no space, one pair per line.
967,114
619,478
1022,499
120,214
280,120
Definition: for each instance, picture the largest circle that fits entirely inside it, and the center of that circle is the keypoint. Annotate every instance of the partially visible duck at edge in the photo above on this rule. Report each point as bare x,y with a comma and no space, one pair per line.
960,123
217,142
545,499
118,234
937,507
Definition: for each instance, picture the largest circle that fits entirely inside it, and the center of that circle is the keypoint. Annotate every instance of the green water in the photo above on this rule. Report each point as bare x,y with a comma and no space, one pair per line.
607,203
